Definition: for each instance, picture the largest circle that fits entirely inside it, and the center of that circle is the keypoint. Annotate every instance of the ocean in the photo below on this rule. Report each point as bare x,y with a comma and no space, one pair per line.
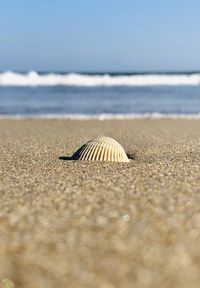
99,95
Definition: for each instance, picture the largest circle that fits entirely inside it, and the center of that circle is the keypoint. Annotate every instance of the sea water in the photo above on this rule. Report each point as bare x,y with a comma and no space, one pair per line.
99,95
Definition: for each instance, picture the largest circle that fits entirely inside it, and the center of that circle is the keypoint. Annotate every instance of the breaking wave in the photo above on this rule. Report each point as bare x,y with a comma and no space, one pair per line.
33,78
102,117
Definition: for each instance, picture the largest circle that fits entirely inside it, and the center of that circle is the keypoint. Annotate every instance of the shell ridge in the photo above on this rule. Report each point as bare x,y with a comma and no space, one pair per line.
86,151
112,153
98,153
105,150
92,152
77,154
106,155
103,146
108,150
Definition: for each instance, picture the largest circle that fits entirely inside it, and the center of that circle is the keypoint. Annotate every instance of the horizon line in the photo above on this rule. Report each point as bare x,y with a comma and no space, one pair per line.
101,72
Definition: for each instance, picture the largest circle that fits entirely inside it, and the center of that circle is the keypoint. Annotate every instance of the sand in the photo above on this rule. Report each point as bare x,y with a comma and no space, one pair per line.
105,225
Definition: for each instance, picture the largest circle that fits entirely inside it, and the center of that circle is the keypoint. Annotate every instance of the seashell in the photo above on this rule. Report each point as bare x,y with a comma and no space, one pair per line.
101,149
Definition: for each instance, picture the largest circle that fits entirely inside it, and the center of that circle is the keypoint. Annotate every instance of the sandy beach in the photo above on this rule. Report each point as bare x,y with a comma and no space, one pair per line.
94,224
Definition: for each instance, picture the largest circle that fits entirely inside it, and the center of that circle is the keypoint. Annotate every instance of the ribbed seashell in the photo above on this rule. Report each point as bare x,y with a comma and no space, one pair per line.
101,149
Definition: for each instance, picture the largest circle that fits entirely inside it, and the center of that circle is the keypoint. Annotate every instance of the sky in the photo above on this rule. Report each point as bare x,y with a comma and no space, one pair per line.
100,35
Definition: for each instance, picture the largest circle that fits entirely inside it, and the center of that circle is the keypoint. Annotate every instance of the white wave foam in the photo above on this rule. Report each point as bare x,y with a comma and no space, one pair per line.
73,79
103,117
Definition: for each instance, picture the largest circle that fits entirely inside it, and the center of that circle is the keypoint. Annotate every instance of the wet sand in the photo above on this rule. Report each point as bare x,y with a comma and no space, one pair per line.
77,224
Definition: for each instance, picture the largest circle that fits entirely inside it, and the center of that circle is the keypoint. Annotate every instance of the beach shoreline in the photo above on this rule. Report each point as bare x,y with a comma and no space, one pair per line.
97,224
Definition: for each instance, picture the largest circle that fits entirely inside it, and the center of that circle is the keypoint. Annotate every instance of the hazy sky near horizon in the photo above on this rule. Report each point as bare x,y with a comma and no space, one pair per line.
100,35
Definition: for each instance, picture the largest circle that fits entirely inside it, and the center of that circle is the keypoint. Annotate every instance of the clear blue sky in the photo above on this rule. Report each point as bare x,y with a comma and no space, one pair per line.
100,35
